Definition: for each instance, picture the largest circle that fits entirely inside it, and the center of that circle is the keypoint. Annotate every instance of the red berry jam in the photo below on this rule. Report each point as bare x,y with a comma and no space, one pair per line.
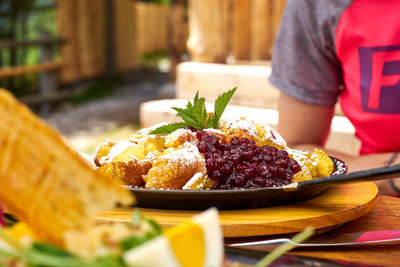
243,164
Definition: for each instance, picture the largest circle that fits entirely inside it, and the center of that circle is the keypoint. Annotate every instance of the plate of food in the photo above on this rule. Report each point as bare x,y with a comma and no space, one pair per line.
208,160
231,163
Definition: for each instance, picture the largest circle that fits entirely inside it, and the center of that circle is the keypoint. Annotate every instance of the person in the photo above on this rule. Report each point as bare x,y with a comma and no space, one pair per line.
347,51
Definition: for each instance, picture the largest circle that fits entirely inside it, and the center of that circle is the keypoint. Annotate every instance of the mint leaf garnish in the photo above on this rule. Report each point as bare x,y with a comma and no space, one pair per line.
220,105
195,114
169,128
188,118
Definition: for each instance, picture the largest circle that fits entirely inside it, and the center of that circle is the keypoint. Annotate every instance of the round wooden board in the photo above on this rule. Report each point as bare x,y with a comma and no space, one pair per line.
339,204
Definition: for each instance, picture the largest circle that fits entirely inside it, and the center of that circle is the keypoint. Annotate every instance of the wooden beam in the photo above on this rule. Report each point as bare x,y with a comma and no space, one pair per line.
23,70
24,43
254,88
208,30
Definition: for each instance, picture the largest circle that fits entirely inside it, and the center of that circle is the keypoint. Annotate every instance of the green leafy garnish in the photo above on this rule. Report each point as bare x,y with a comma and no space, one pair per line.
46,255
134,241
195,114
169,128
220,105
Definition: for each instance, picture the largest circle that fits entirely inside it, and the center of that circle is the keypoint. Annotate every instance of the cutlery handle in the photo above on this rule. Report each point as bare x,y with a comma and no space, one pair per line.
270,242
359,176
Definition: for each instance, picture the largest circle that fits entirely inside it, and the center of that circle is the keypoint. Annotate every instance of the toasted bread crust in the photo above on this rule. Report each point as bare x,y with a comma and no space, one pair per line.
43,181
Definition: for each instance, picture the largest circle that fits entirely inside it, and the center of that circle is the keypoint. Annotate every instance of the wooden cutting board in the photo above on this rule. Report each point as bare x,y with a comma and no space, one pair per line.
339,204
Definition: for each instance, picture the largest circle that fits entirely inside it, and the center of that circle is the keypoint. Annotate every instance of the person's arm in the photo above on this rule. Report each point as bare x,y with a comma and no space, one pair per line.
303,123
306,126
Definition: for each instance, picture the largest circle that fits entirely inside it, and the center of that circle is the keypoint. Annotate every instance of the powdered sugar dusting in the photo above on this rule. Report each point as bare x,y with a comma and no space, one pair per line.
179,137
272,135
116,150
195,179
144,134
187,155
243,124
213,131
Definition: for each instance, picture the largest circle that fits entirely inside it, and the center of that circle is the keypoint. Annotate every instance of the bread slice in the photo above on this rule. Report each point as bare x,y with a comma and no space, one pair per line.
43,181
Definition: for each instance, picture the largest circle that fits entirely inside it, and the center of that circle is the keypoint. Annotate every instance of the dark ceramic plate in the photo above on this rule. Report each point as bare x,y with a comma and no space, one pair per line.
235,198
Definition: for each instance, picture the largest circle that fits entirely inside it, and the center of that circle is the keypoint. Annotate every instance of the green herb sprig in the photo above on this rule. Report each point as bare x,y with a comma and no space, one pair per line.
195,114
47,255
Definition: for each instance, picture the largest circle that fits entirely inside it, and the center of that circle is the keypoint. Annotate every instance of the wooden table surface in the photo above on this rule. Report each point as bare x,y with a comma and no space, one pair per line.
384,216
338,205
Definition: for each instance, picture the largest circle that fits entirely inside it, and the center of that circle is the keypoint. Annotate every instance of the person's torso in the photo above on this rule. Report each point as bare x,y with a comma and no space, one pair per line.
367,43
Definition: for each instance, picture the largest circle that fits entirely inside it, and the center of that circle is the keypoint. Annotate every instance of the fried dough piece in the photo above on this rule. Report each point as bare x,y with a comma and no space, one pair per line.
130,171
241,128
266,135
45,183
179,137
127,161
199,181
261,133
144,134
313,165
325,165
102,151
175,168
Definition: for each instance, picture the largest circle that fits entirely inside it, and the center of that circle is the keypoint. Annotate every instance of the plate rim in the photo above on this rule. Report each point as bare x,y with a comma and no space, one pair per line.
341,168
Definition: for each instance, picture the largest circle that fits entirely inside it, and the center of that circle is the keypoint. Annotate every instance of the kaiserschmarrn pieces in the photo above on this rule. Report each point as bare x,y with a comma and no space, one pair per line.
127,161
262,133
183,159
315,164
174,169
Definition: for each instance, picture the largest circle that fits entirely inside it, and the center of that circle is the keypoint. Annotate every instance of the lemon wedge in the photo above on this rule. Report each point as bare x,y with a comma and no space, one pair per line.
195,243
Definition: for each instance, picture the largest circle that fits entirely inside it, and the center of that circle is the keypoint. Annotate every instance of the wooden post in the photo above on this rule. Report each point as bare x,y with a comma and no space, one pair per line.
92,37
110,40
278,8
177,34
260,29
67,27
125,35
48,80
208,30
241,20
82,24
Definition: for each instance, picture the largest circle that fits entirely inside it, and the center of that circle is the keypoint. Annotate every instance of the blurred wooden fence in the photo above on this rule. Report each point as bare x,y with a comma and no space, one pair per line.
138,28
244,29
152,27
81,23
218,30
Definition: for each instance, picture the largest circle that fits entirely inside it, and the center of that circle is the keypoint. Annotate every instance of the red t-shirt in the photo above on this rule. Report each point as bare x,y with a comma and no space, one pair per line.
368,47
350,50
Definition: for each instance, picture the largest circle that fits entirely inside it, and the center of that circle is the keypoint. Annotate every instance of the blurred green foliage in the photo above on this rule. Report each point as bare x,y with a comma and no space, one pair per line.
96,90
24,20
152,59
164,2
